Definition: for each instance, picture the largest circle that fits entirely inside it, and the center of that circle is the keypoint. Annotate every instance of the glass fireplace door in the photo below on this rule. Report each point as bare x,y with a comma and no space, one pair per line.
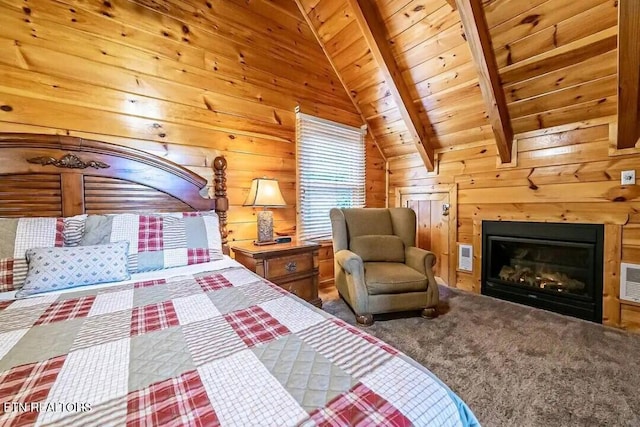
542,265
553,266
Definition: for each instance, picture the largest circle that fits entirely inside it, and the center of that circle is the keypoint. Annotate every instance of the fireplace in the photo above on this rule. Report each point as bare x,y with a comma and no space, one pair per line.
557,267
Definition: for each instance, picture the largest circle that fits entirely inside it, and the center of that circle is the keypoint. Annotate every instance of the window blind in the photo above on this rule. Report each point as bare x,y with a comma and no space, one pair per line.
330,171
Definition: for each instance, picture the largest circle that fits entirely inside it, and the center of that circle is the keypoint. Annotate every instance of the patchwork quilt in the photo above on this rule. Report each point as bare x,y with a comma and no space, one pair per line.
222,347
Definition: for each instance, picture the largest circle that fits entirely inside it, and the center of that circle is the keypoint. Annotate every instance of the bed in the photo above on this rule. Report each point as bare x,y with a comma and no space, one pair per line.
204,344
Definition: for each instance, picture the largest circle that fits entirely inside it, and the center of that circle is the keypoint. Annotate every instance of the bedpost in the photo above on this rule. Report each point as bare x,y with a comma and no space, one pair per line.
222,203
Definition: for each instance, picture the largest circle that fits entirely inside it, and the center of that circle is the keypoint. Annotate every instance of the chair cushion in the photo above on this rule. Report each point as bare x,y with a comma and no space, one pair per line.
367,221
378,248
392,278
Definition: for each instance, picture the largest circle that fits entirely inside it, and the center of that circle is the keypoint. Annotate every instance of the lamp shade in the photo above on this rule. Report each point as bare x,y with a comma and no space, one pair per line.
265,192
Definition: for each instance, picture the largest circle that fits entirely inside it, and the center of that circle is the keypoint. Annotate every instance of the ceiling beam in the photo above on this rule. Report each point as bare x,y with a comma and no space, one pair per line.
477,34
373,29
628,73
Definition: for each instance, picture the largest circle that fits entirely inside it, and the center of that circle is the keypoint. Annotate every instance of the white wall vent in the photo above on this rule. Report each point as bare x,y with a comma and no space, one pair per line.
630,282
465,257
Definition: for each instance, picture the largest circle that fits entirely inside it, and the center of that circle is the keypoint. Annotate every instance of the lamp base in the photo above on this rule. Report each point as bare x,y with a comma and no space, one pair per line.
265,227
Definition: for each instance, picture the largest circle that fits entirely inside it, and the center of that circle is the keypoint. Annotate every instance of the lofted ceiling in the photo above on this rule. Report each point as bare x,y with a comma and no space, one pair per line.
427,42
550,62
557,59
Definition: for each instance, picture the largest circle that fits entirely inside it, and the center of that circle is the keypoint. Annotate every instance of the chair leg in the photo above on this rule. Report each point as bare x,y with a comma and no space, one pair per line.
365,319
430,313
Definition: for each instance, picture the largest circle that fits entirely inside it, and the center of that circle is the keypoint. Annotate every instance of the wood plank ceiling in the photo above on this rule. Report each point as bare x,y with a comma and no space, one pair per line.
479,39
429,48
556,58
556,62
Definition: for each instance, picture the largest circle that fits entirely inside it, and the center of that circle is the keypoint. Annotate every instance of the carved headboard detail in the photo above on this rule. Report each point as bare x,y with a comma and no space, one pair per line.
51,175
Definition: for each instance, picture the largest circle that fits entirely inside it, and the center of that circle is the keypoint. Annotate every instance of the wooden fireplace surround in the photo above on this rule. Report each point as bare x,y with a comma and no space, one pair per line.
611,306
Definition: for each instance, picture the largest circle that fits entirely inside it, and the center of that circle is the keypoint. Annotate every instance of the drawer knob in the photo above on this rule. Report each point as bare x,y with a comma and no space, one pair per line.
291,266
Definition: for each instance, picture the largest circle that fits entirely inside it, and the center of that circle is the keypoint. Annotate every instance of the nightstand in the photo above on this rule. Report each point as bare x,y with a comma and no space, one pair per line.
292,266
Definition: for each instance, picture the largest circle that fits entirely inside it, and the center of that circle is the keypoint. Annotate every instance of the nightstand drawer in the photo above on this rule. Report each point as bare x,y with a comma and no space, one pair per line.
292,266
303,288
288,265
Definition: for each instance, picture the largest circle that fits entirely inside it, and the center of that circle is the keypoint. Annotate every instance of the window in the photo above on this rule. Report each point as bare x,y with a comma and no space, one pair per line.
331,172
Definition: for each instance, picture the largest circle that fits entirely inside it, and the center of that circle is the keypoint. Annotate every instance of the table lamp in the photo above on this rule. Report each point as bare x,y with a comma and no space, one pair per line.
265,193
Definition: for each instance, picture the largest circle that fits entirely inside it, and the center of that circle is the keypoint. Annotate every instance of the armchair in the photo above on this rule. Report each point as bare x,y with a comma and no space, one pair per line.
378,269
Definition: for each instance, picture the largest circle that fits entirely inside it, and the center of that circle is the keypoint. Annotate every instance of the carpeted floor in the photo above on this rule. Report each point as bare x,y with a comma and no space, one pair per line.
520,366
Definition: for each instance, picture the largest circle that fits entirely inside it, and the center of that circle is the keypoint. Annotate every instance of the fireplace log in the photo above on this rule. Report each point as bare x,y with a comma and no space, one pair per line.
545,280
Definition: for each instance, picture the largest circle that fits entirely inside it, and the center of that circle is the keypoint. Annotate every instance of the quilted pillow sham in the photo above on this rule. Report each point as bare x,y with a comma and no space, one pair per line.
52,269
159,241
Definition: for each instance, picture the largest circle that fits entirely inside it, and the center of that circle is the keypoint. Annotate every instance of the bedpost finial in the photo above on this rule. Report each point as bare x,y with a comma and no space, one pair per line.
220,163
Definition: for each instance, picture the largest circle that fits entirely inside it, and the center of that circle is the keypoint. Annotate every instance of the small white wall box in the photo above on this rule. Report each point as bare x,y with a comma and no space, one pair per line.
628,177
630,282
465,257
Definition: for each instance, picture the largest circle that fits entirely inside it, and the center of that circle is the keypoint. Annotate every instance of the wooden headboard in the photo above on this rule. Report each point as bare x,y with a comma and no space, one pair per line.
51,175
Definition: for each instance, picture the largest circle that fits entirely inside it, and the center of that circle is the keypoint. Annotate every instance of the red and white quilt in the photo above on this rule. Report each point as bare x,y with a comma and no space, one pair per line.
222,347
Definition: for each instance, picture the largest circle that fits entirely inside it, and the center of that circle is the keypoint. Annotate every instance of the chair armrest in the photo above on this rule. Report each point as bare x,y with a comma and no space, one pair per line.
419,259
349,261
423,261
350,277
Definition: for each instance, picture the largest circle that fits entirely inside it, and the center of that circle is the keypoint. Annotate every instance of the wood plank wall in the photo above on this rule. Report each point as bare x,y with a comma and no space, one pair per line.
183,79
563,174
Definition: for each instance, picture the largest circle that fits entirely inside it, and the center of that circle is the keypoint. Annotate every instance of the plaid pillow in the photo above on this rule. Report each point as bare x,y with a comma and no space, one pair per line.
159,241
18,235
